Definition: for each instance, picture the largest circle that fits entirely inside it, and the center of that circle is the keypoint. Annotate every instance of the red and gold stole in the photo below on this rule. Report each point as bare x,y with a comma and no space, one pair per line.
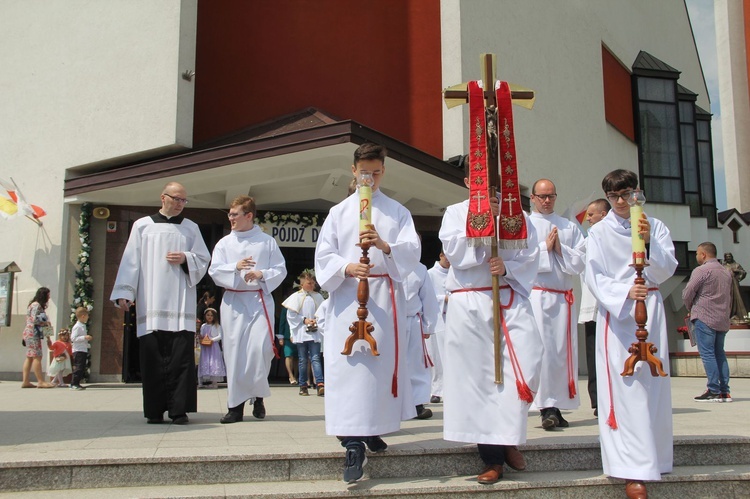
479,227
511,231
512,224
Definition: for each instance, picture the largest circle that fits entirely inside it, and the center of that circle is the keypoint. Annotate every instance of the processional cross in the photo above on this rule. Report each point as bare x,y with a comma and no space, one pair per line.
455,96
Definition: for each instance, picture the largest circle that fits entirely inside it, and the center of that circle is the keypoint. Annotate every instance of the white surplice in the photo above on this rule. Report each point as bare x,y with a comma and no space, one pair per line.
359,399
640,448
477,410
300,306
556,319
165,295
247,310
435,341
421,315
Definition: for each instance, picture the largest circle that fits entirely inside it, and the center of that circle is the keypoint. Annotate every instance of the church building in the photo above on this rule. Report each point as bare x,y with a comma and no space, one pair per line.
106,102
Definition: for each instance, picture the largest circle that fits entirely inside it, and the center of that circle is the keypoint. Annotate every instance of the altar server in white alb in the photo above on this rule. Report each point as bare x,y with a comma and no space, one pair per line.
635,420
249,265
366,395
476,409
305,334
562,257
164,260
421,315
438,273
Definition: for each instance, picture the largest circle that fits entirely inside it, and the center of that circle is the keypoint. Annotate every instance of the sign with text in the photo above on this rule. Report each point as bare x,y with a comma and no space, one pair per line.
292,235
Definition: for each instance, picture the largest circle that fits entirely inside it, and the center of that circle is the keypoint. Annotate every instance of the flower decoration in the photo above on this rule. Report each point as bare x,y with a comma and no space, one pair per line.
301,219
84,284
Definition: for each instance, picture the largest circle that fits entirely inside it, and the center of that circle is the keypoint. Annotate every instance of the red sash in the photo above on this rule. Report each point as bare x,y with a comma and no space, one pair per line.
569,299
265,313
524,392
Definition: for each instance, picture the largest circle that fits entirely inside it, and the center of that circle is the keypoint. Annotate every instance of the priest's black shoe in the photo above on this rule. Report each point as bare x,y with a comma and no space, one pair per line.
259,410
435,399
549,419
376,444
234,415
354,462
561,421
423,412
158,420
181,420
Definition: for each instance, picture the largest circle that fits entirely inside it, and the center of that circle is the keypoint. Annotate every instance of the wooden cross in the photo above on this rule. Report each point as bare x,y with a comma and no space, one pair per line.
457,95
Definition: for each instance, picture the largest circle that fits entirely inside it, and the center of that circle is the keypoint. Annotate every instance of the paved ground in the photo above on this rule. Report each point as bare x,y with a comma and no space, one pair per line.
105,421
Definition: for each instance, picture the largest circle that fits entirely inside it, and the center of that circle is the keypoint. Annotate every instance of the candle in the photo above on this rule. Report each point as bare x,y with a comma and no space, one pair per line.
365,200
639,245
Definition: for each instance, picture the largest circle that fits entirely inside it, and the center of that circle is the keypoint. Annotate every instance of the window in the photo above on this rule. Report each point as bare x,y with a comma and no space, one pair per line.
658,128
685,258
735,227
688,139
674,138
706,166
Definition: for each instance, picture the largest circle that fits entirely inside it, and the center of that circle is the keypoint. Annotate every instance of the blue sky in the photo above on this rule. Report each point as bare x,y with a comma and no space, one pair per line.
701,14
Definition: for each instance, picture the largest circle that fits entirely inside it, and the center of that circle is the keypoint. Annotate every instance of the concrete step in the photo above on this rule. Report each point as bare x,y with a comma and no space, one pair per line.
395,465
726,482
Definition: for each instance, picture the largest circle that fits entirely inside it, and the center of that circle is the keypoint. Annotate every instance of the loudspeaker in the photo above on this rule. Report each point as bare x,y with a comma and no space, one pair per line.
101,212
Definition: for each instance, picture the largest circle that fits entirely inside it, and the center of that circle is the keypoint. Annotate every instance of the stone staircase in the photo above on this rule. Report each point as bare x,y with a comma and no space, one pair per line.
704,467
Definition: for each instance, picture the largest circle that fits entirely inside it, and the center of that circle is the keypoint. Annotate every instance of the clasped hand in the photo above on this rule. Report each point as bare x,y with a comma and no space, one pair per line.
371,237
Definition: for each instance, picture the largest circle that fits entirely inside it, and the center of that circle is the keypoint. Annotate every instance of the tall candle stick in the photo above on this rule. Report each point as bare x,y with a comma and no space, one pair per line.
636,202
364,181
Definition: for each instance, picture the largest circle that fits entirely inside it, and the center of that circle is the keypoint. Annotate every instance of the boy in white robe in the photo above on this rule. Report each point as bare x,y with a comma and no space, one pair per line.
476,410
562,253
301,307
636,423
421,316
249,265
164,260
595,212
438,273
366,395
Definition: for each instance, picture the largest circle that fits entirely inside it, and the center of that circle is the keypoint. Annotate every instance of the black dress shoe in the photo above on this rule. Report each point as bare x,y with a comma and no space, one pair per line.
181,420
423,412
376,444
435,399
231,417
561,421
549,419
158,420
259,410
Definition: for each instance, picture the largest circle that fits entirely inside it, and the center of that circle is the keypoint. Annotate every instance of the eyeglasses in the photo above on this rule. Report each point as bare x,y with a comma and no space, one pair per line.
178,200
613,196
231,215
545,197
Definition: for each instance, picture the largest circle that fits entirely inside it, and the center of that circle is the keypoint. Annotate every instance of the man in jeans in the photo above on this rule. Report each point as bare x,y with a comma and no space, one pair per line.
708,298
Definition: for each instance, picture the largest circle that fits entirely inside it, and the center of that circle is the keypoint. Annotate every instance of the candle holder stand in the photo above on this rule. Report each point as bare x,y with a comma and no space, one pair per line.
360,328
641,350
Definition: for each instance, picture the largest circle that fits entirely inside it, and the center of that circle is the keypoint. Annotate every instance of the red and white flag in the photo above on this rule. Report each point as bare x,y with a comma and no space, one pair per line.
18,201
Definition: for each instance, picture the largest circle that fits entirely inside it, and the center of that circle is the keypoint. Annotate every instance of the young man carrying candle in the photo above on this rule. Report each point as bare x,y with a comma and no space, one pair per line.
635,423
366,395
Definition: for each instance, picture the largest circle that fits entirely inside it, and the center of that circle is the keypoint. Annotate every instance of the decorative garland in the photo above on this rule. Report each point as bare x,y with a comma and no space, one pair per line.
84,284
281,219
